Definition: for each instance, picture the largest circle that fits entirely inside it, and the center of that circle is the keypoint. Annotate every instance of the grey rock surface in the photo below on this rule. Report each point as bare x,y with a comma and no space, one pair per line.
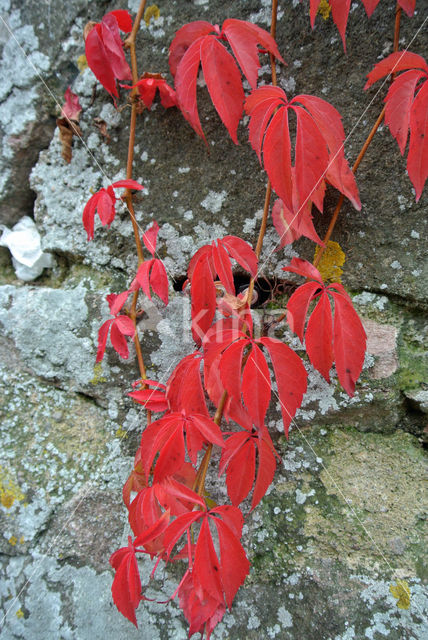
346,515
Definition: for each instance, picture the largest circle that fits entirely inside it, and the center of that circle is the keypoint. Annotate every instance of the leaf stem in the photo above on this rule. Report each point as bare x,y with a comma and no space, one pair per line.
130,43
362,152
263,224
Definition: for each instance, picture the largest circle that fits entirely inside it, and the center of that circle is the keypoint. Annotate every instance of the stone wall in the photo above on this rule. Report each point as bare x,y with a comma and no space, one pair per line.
345,516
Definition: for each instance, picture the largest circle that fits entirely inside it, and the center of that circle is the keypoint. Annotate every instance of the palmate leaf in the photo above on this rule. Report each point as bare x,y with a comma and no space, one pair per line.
220,577
248,381
199,44
104,50
209,261
407,109
126,587
166,436
239,458
319,154
342,340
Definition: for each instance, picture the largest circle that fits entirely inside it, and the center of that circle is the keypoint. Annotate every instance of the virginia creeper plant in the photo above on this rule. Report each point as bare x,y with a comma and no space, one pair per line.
171,517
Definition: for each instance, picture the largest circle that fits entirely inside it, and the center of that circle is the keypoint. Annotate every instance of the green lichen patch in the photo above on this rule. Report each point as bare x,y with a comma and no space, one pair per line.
374,503
413,348
52,443
344,497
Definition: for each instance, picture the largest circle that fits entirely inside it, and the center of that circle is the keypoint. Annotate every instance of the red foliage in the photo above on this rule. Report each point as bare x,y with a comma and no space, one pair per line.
199,43
104,50
71,108
407,109
147,86
120,327
319,153
152,274
209,261
103,202
342,342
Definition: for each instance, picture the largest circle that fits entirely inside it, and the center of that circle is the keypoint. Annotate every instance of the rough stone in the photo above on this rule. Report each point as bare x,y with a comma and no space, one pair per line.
346,514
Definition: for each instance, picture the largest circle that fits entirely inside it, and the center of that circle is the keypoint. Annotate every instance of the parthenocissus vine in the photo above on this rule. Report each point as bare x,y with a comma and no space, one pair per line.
218,396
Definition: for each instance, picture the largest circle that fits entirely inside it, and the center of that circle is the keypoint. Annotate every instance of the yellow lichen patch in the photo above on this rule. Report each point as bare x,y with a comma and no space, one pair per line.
121,433
82,63
9,491
19,613
401,591
324,9
13,540
21,540
332,259
151,12
98,377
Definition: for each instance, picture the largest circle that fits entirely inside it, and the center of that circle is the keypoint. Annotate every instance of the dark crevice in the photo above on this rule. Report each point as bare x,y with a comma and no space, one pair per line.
266,289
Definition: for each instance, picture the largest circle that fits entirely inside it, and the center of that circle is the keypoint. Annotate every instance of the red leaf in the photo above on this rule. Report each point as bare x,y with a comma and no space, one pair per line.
116,301
329,123
185,85
349,342
144,511
265,471
89,215
142,277
180,492
178,527
171,456
118,340
71,108
417,159
159,280
240,471
277,156
151,399
260,116
102,340
222,266
167,95
319,336
305,269
184,386
298,306
290,376
184,37
256,385
206,569
152,537
224,83
98,61
126,587
208,428
127,184
292,225
402,110
242,253
408,6
124,20
243,38
399,101
113,46
311,159
203,300
125,325
230,367
234,563
395,62
370,6
340,13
